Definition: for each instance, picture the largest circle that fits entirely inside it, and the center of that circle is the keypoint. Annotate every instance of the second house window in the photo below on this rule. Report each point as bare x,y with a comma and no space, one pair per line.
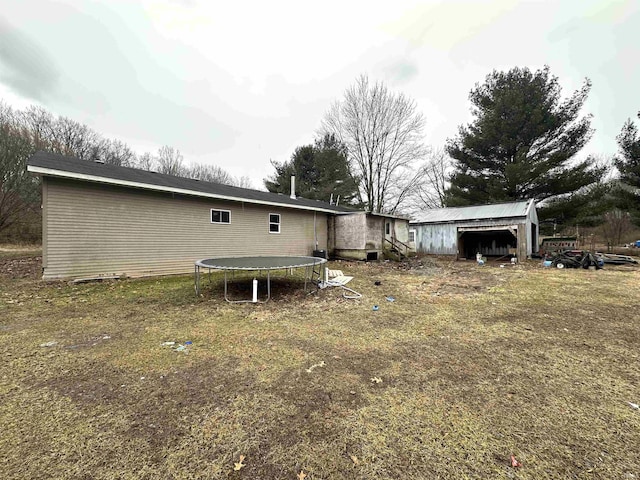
220,216
274,223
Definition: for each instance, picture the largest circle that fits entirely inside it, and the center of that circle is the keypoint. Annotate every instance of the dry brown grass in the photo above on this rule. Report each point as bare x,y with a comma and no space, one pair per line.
475,363
19,250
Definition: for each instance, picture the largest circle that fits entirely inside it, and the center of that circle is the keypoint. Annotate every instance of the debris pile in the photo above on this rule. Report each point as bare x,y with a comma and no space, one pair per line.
611,259
573,259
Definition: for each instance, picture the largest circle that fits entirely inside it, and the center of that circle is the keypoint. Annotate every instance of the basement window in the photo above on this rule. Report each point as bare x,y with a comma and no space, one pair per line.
274,223
220,216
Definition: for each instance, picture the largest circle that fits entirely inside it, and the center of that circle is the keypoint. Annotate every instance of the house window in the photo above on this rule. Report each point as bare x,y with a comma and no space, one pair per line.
387,228
412,236
220,216
274,223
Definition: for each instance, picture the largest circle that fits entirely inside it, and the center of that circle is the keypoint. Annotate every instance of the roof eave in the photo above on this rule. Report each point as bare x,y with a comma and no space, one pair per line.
490,219
160,188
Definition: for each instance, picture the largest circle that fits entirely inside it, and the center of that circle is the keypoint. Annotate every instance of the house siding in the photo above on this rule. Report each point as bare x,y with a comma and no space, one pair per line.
93,230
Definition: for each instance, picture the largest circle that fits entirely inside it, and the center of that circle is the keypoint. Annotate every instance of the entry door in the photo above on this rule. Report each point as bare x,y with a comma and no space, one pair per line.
388,230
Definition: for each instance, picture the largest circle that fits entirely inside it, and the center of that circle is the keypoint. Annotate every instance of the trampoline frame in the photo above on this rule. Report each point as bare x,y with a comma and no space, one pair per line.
260,263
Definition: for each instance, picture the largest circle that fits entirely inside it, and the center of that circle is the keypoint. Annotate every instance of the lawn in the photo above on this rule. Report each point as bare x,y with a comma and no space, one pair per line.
467,367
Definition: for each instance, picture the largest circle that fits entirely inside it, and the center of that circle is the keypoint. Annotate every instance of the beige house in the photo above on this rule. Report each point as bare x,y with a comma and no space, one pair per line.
104,221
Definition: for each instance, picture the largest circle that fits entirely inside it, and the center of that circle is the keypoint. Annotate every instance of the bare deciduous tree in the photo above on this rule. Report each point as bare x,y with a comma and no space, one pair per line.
115,152
382,132
69,137
243,182
616,224
40,124
146,161
169,161
18,190
209,173
431,192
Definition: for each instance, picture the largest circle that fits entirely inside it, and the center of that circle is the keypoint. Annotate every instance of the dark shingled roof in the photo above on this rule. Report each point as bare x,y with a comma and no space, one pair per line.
71,167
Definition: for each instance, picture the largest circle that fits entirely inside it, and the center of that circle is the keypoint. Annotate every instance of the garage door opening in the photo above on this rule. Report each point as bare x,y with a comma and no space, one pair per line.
490,243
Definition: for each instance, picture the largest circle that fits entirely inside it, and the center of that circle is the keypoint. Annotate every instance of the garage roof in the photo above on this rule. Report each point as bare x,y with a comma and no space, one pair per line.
50,164
478,212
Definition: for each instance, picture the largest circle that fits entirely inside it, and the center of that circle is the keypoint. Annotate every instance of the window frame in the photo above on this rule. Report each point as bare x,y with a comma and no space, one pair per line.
278,223
221,210
412,231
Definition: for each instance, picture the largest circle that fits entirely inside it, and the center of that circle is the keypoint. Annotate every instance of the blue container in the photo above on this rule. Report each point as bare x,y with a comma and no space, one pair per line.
638,243
547,263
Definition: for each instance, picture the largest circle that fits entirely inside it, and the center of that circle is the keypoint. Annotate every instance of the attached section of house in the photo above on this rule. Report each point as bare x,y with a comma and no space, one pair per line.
492,230
103,221
368,236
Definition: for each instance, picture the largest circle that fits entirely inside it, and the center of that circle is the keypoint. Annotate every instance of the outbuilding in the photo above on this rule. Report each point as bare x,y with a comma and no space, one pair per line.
493,230
103,220
369,236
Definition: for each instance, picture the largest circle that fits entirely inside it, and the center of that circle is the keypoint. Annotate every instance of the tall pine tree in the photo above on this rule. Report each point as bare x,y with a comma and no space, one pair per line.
321,171
522,141
628,164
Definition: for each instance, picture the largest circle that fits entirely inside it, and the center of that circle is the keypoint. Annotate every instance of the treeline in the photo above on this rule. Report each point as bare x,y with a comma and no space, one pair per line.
524,142
23,132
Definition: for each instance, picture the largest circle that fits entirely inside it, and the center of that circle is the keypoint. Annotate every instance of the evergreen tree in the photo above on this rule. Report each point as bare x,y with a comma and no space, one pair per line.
522,142
321,171
628,164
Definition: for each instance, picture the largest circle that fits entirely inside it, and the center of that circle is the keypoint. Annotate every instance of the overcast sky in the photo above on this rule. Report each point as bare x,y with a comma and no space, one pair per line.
238,84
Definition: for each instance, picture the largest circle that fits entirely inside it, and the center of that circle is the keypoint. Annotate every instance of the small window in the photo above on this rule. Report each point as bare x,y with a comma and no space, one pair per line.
412,236
220,216
387,228
274,223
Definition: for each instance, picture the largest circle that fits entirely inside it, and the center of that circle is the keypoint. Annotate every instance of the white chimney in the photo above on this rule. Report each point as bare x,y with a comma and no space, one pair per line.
293,187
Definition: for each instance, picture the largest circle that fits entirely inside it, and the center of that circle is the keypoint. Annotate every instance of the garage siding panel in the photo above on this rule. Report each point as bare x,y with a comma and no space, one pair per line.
99,230
437,239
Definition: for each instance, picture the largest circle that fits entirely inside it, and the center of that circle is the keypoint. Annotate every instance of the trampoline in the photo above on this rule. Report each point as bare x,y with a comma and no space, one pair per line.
233,264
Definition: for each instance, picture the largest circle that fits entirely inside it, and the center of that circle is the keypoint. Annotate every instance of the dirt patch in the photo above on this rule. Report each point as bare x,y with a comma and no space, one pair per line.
283,288
466,281
21,268
160,407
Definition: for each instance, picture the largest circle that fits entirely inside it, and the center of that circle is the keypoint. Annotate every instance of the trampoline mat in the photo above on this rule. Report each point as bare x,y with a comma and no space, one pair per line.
259,263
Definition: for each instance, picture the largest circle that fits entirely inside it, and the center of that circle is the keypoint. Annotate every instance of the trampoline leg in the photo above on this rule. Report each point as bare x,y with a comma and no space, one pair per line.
268,286
225,288
196,274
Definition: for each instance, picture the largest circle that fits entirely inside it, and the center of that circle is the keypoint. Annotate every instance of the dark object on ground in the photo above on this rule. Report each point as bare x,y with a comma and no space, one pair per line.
611,259
576,259
377,283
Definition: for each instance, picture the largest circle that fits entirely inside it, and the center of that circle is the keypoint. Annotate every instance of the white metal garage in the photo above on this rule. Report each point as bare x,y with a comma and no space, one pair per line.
493,230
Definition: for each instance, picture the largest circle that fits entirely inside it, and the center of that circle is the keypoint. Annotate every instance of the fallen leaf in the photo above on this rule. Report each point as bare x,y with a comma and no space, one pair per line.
301,475
354,459
239,465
